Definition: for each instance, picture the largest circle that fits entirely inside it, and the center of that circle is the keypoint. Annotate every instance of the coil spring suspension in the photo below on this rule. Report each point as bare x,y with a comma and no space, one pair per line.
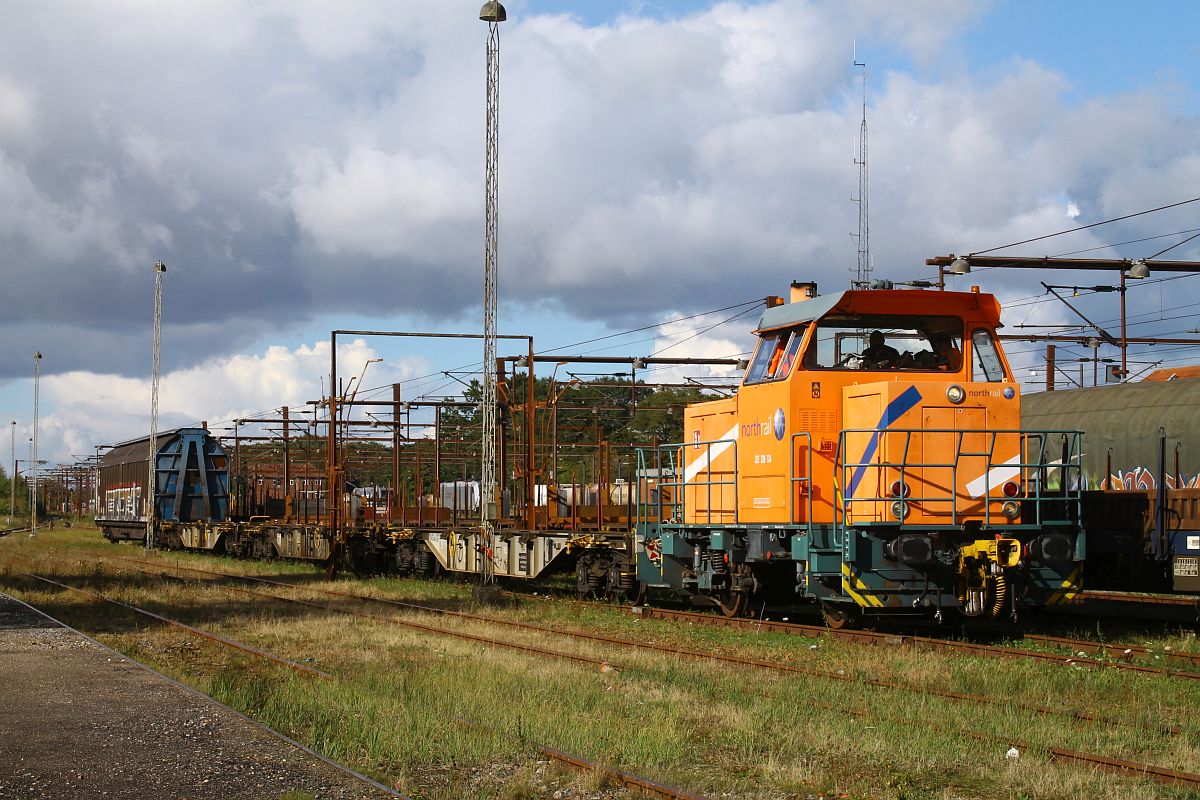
626,581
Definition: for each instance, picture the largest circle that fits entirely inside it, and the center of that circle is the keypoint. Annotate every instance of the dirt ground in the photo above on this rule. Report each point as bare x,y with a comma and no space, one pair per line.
79,721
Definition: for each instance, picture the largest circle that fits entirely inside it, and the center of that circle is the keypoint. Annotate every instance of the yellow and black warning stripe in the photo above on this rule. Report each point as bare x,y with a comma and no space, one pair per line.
853,586
1069,589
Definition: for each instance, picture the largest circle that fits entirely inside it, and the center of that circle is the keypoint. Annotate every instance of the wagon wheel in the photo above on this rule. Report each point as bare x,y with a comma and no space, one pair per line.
332,563
622,585
358,557
840,616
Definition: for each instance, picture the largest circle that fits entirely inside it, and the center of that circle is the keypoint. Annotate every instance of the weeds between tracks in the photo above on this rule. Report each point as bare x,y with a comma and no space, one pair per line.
709,728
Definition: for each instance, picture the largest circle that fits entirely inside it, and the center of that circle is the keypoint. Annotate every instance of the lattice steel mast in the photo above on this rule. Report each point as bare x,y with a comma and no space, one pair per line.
151,479
493,14
862,275
33,455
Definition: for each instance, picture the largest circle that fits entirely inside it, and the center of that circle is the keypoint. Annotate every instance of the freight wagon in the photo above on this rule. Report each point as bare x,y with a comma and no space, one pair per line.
1141,476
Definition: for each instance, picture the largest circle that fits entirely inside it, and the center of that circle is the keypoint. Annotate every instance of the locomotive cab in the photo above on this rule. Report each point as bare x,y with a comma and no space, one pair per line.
874,448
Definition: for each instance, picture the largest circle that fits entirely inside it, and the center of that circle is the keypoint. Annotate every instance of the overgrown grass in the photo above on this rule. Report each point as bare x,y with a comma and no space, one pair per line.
447,718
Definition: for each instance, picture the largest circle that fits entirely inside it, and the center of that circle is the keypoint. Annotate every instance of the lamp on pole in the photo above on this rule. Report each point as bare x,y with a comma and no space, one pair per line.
493,14
37,380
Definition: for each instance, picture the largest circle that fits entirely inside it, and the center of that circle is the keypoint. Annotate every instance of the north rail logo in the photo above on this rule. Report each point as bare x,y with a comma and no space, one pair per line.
756,428
776,426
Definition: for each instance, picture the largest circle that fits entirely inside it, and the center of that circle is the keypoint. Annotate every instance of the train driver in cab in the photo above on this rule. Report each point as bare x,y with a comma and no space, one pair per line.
943,356
879,354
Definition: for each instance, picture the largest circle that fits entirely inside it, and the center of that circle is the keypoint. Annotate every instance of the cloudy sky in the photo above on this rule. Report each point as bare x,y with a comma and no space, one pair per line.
304,166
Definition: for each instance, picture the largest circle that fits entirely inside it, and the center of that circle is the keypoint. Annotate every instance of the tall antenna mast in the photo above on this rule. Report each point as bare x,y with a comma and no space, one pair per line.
862,275
493,14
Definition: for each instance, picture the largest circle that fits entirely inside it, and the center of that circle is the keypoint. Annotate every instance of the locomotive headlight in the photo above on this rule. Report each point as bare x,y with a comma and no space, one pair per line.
1011,509
899,509
955,394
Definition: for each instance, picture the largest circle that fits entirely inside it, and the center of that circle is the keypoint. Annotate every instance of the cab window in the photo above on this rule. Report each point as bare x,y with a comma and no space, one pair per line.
887,342
775,356
987,364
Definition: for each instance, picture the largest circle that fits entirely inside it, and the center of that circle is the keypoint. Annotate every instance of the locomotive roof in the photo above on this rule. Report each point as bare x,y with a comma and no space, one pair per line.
879,301
135,450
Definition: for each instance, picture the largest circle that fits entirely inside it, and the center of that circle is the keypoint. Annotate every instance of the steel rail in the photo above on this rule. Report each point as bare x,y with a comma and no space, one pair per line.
1104,763
972,648
1133,768
245,648
645,785
627,779
1116,649
670,650
1140,599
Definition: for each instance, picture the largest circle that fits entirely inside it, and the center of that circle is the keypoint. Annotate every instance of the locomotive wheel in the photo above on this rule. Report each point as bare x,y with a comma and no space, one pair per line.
734,604
734,601
840,616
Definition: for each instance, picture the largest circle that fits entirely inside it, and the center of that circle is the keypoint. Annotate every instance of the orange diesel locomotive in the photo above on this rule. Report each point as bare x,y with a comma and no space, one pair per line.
872,461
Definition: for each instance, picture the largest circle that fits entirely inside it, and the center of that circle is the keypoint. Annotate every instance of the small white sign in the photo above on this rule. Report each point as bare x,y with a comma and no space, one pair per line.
1193,543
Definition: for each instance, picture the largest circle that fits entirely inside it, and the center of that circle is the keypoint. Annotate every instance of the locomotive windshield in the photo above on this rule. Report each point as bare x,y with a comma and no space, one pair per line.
988,366
775,356
887,342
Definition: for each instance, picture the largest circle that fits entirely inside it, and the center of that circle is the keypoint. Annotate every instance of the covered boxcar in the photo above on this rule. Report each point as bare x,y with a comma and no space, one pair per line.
191,482
1141,475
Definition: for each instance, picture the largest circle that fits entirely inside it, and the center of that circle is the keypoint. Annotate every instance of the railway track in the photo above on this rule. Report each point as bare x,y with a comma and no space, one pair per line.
628,779
773,666
778,667
232,644
1106,763
971,648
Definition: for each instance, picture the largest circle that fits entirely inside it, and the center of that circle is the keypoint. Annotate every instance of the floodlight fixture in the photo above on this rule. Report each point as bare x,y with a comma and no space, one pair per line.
493,11
1139,269
960,266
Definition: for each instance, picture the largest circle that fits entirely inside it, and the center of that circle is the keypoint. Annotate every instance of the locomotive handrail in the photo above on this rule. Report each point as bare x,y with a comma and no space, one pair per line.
1069,466
794,481
680,482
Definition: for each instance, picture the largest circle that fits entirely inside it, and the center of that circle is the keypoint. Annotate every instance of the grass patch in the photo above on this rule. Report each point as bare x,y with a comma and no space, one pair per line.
447,718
